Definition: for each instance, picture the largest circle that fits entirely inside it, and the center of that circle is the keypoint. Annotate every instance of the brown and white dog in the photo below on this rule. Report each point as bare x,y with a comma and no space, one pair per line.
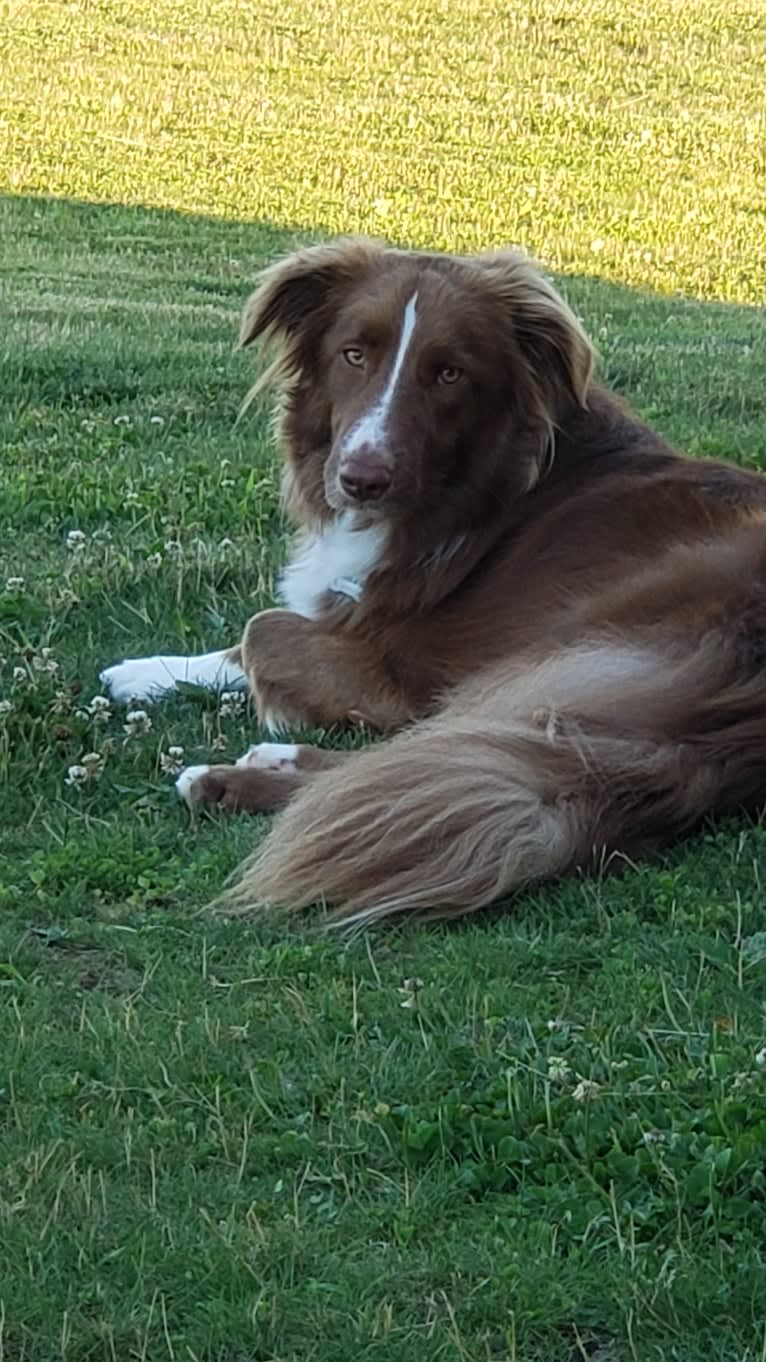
566,618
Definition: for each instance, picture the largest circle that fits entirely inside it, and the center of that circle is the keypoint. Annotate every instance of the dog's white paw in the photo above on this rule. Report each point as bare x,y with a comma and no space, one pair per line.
186,781
148,678
138,678
271,756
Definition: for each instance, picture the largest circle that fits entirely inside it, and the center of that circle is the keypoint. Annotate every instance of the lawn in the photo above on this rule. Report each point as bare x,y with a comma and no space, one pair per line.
536,1137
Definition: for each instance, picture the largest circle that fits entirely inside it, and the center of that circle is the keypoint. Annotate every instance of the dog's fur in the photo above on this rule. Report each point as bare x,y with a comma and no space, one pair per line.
572,614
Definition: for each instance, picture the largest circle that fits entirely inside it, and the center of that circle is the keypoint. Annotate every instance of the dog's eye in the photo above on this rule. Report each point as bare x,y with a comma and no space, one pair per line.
449,374
354,356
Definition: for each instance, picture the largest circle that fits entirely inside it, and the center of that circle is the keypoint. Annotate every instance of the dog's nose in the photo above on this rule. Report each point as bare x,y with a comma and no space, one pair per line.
365,479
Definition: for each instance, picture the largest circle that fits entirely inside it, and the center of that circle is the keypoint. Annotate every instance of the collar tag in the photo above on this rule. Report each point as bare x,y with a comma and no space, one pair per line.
346,586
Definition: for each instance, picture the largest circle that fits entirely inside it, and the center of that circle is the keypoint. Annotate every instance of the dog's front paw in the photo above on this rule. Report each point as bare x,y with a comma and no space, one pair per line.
138,678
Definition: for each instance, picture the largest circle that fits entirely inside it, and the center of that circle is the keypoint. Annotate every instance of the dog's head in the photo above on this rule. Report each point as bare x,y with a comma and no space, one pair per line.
407,375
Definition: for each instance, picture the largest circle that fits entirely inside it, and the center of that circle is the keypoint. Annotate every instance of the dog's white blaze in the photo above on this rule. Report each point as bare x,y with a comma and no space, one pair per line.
147,678
371,428
340,559
186,780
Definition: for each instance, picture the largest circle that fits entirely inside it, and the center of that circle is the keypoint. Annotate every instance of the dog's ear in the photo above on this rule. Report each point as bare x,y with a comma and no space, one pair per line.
293,291
557,354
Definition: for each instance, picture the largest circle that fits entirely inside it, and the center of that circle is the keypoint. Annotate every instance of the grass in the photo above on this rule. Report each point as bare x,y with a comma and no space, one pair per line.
625,139
252,1142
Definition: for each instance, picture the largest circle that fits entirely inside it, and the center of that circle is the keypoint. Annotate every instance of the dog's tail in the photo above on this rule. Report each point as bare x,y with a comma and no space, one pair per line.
607,747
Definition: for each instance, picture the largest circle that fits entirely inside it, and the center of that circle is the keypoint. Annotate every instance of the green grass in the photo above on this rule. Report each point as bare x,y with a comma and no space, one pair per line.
254,1143
625,137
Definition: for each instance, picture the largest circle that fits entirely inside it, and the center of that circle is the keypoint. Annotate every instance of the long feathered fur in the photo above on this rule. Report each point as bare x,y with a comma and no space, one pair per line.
523,779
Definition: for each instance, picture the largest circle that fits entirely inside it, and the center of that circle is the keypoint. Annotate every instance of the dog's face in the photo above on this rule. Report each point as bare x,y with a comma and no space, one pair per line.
409,376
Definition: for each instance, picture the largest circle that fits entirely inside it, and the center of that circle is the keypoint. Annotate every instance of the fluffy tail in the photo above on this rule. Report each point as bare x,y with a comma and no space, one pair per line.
499,791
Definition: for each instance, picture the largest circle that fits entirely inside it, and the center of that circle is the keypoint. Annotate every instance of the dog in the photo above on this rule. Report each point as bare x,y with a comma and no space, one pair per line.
561,619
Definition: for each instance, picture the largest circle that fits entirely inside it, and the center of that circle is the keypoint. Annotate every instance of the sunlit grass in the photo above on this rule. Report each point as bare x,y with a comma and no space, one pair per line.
627,140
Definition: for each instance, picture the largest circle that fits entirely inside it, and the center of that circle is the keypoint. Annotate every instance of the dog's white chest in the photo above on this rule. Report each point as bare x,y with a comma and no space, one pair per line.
338,559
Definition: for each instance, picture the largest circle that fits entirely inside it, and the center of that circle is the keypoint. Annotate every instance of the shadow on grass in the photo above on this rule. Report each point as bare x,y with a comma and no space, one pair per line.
109,300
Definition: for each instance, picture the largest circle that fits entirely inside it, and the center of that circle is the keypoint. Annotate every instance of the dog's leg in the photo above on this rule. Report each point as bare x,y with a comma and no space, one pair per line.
149,678
302,675
265,778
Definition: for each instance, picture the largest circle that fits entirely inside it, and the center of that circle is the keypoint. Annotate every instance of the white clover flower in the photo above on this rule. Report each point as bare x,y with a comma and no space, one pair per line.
14,584
174,547
225,544
172,761
760,1057
410,989
231,704
585,1090
558,1069
75,541
6,708
99,709
20,674
137,722
131,499
156,420
43,662
89,768
88,425
651,1137
122,421
220,742
154,560
102,536
61,703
